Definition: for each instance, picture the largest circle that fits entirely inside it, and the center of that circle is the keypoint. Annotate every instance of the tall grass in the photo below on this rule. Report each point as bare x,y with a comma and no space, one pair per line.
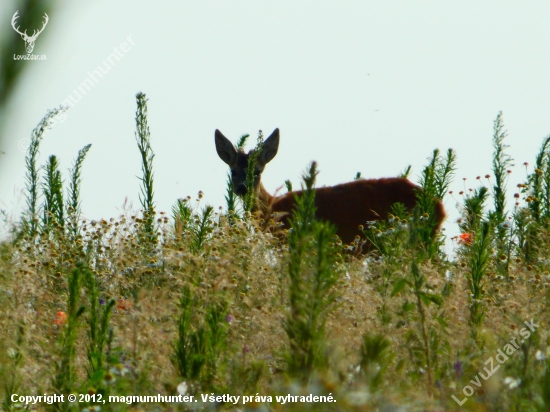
235,310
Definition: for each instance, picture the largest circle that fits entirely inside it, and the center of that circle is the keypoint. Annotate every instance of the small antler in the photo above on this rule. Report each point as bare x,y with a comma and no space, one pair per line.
14,18
35,33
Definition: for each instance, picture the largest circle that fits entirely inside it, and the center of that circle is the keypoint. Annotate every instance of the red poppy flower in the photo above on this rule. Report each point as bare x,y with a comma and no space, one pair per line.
124,304
467,238
60,318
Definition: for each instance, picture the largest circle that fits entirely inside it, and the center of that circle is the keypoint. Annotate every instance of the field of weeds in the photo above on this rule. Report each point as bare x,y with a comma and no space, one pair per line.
221,307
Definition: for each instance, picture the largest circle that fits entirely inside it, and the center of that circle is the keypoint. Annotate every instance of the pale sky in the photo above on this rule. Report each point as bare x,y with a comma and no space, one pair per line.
355,85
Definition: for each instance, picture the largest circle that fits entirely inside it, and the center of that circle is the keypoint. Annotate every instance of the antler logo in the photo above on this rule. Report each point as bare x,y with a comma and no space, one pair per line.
29,40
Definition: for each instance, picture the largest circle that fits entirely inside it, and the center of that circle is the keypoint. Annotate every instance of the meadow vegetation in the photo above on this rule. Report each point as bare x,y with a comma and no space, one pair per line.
207,301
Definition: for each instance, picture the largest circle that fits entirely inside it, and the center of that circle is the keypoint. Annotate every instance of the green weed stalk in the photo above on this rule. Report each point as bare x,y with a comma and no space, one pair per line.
73,203
538,185
527,233
544,387
181,214
501,164
313,273
231,200
201,229
434,182
533,221
13,378
53,197
193,227
390,238
245,376
473,210
201,343
217,327
288,185
405,173
376,357
143,138
190,347
99,330
64,380
30,218
479,255
423,295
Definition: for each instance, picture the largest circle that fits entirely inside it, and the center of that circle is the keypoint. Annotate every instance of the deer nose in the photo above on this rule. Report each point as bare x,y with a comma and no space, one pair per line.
241,189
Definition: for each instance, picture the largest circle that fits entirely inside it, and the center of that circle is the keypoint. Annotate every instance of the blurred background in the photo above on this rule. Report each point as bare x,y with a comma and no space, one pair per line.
366,87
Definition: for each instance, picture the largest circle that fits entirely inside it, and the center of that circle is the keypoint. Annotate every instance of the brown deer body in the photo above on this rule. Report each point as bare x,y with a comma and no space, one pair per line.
346,205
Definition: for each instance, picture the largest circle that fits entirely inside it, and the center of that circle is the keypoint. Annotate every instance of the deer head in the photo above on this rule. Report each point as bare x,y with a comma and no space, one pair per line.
29,40
238,160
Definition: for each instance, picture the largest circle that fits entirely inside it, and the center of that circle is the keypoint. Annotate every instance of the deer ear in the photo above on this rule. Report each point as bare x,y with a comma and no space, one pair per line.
225,148
271,145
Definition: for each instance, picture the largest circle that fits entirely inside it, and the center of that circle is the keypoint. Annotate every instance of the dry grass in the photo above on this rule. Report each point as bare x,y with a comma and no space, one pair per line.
247,268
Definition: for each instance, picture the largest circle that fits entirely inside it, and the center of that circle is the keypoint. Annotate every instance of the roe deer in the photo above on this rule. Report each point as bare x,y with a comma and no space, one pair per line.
346,205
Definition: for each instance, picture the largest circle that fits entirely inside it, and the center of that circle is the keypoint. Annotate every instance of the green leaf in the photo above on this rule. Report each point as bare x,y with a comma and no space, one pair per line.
428,298
399,285
408,307
80,311
441,320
